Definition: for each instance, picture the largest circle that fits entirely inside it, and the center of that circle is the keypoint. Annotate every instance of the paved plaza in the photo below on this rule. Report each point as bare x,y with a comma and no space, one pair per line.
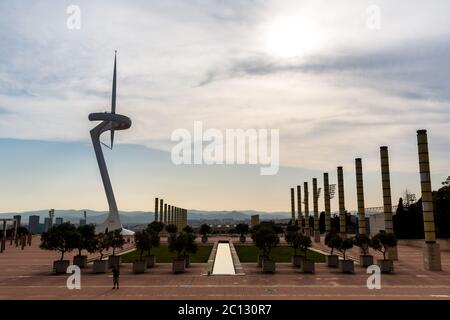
27,275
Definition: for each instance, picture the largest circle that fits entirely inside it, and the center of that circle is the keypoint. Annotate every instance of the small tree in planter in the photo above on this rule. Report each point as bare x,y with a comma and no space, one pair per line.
266,238
62,238
101,243
204,231
143,242
306,266
157,226
363,242
333,241
382,242
347,266
155,241
292,237
182,243
117,241
242,229
85,241
188,229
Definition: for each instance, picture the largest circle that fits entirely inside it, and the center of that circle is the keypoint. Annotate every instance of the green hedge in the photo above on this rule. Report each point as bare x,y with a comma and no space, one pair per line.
163,254
249,253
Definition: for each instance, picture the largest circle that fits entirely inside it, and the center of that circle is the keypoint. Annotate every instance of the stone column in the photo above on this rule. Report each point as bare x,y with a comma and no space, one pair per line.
292,206
156,209
387,202
299,206
360,197
305,201
172,208
161,204
326,197
432,252
185,218
165,213
342,222
316,211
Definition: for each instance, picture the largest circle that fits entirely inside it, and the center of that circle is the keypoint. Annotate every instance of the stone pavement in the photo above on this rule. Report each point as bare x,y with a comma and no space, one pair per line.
27,275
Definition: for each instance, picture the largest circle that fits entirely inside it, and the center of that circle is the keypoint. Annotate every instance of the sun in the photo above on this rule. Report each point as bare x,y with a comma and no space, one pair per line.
292,37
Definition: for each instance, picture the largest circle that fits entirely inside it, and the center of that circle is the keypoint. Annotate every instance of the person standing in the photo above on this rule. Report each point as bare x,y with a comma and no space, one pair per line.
116,276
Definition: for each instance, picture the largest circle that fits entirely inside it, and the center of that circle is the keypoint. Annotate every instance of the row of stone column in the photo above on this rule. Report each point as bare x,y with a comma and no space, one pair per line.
169,214
432,259
22,240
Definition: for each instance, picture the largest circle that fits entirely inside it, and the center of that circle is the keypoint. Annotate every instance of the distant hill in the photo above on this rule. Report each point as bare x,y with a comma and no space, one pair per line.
129,217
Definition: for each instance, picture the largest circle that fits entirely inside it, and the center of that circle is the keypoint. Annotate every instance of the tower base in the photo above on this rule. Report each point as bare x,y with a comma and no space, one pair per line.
432,257
316,236
392,253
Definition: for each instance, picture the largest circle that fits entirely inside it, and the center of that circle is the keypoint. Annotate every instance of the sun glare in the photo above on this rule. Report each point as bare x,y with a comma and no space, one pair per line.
292,37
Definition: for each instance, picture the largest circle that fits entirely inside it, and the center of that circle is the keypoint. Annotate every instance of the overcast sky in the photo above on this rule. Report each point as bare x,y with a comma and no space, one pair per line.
335,87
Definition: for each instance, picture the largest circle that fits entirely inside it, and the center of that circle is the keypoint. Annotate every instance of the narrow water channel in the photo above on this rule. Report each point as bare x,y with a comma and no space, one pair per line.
223,263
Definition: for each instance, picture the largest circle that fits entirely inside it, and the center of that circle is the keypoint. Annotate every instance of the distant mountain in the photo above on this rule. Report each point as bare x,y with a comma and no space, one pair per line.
131,217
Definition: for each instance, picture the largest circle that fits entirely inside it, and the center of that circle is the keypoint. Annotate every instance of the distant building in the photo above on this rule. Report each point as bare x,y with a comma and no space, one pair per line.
33,224
376,223
82,222
58,221
47,224
18,218
254,220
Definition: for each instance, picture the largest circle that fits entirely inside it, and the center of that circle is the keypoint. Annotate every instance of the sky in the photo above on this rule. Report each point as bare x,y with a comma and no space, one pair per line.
335,85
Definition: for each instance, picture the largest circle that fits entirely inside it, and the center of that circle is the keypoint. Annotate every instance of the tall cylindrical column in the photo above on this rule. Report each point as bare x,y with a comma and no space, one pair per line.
432,252
165,213
360,196
292,206
316,211
326,197
299,206
341,194
169,216
156,208
305,201
161,204
387,201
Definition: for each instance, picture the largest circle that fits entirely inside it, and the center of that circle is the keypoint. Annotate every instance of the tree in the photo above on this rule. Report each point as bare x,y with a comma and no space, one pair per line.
304,243
265,237
293,237
142,241
322,222
86,238
183,243
382,241
333,241
188,229
116,240
205,229
102,242
345,245
242,229
62,238
362,241
172,229
156,226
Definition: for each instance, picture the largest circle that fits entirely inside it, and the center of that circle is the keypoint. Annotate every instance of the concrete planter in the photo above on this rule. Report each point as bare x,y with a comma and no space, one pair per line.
347,266
365,260
187,260
139,266
60,266
150,261
114,261
332,261
386,266
297,260
204,239
242,239
178,266
260,260
307,266
268,266
100,266
80,261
